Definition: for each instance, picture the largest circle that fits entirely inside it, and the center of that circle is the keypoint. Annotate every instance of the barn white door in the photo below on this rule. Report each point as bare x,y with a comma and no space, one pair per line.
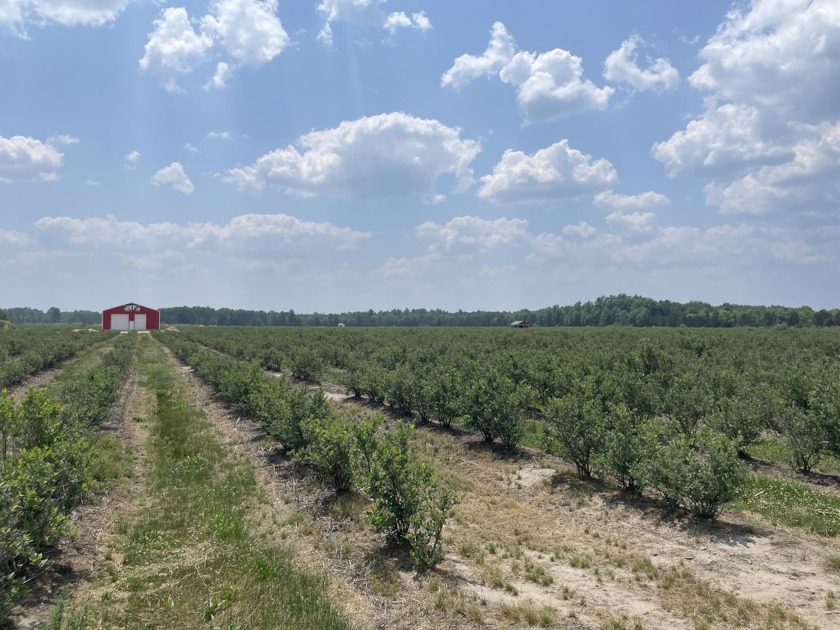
139,321
119,322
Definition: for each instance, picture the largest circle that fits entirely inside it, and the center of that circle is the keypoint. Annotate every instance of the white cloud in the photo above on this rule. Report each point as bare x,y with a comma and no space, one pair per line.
629,240
808,180
355,11
367,13
649,199
473,231
548,85
13,237
406,267
800,252
554,173
191,149
399,20
220,78
174,47
621,66
174,175
18,14
580,229
769,133
27,159
384,155
725,136
63,139
131,160
633,221
240,232
220,135
777,53
248,31
500,51
325,35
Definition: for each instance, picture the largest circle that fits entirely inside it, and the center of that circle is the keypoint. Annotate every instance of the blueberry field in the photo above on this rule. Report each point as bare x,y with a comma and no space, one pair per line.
417,477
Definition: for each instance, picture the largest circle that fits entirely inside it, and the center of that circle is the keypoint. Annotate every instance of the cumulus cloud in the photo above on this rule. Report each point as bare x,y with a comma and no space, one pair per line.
776,53
369,14
220,78
621,66
400,20
473,231
376,156
17,15
807,181
243,231
770,74
174,175
649,199
26,159
627,239
247,31
580,229
174,47
725,136
548,85
632,221
131,159
554,173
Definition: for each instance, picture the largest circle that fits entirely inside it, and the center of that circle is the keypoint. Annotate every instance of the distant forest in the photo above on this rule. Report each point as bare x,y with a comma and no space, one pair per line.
617,310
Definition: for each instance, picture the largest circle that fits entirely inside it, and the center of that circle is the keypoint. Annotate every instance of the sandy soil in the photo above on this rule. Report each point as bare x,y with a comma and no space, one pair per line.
531,533
530,538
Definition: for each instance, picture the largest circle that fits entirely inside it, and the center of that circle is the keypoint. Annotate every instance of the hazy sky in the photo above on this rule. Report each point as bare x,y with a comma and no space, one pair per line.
337,155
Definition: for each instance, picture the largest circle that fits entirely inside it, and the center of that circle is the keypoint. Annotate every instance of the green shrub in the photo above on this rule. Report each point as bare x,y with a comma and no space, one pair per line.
330,450
491,404
577,429
804,431
625,443
700,480
409,503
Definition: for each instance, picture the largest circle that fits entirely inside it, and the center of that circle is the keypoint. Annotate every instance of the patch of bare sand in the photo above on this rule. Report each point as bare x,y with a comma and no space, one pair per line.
529,530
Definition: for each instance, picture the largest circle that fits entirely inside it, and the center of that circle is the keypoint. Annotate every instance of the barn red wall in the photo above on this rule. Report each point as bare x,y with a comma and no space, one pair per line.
152,316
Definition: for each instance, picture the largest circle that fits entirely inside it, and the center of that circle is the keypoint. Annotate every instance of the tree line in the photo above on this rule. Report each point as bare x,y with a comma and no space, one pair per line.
615,310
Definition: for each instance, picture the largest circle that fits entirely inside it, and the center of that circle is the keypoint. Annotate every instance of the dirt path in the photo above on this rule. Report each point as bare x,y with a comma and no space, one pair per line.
374,588
78,562
531,536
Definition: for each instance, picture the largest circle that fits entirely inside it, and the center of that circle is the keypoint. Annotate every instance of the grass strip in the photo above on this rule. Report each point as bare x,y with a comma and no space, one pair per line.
195,554
791,503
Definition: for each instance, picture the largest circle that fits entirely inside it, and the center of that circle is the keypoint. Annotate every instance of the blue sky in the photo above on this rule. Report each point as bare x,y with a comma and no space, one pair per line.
330,155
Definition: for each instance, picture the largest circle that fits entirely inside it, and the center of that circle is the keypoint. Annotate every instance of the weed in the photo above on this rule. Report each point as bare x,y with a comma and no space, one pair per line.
791,503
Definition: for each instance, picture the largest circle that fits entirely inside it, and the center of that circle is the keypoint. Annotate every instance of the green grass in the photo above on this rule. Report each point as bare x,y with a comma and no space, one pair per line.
791,503
770,449
192,556
776,450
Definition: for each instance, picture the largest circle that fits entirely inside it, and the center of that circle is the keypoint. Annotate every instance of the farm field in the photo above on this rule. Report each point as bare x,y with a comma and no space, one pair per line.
415,478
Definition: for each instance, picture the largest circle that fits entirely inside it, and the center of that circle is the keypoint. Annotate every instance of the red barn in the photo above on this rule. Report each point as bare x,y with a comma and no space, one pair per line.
130,316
